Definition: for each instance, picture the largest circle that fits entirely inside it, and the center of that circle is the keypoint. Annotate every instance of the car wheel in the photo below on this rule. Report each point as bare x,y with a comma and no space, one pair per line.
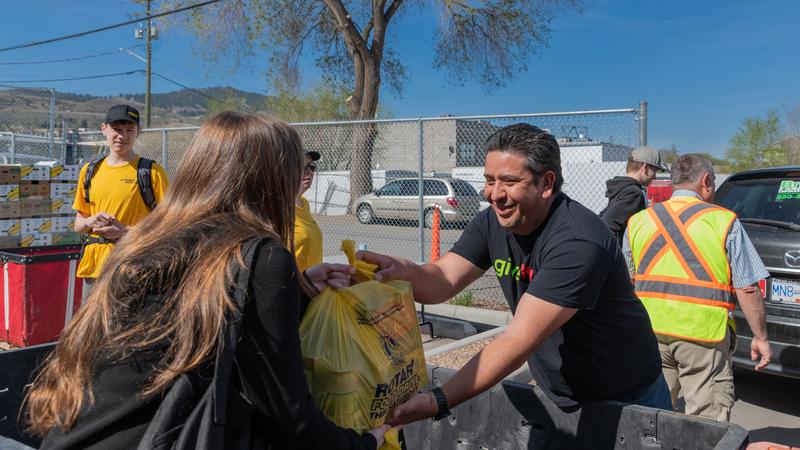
364,214
429,219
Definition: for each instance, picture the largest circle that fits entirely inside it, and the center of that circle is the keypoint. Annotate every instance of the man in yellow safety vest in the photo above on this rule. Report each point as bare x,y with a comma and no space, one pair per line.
690,261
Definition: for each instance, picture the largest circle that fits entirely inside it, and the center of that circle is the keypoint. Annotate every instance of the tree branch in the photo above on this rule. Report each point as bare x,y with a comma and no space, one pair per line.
392,9
348,29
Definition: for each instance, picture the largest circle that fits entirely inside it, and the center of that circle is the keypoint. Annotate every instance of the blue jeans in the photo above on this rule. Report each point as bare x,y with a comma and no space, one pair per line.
655,396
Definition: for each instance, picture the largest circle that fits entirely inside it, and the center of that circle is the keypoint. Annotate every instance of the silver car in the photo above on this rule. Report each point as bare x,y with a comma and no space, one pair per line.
399,199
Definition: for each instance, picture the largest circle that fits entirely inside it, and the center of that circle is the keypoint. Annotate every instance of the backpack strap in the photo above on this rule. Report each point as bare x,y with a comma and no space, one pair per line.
91,169
144,179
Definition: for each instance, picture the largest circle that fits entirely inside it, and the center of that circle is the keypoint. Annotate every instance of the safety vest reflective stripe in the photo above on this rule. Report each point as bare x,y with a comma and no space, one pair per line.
685,248
686,292
658,245
690,211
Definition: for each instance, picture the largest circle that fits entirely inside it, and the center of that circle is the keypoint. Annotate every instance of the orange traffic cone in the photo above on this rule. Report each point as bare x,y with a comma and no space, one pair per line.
436,241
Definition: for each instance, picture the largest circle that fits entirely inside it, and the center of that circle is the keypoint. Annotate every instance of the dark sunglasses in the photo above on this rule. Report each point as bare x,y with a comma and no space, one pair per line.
310,167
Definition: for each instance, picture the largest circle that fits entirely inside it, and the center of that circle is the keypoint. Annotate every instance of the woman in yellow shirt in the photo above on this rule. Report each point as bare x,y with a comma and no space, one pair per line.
307,235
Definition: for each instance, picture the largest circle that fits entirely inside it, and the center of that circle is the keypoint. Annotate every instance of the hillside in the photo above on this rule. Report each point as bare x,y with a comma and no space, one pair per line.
26,110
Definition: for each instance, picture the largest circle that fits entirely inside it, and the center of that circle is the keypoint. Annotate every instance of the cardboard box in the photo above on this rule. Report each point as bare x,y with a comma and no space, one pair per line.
35,172
10,210
34,189
68,172
9,173
65,238
30,207
59,206
35,240
62,224
9,192
9,227
35,225
9,241
63,190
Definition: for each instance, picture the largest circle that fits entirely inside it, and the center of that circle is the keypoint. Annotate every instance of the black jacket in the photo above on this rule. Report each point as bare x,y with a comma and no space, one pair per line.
269,362
626,197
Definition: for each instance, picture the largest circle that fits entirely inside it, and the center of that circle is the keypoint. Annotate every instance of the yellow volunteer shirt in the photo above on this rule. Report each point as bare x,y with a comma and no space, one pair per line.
114,190
307,238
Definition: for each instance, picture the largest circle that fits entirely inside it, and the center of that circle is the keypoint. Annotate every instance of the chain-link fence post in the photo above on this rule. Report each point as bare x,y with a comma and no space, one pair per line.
52,123
164,146
421,214
13,148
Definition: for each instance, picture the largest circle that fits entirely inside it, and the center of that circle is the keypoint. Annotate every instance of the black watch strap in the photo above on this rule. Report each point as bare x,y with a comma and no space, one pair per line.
441,403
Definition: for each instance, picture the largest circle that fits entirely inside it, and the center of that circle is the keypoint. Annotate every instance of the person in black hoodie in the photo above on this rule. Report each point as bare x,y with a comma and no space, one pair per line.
627,194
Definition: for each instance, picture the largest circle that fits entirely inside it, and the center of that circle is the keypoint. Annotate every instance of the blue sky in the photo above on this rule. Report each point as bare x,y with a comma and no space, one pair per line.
703,67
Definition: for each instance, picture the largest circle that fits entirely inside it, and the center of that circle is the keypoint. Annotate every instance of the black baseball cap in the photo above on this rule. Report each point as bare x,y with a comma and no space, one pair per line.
315,156
122,112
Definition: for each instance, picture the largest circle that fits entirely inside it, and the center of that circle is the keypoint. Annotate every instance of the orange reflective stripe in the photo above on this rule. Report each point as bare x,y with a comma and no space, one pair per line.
669,279
648,243
686,290
681,298
655,259
688,214
670,243
692,246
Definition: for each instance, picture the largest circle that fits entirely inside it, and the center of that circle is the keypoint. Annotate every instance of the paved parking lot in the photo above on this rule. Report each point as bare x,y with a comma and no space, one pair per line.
768,406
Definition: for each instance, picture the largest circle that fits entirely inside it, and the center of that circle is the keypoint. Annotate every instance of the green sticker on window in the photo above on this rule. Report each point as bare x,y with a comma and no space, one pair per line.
788,190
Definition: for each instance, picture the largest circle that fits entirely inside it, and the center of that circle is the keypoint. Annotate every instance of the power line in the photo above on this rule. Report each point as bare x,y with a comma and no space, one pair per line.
77,58
109,27
88,77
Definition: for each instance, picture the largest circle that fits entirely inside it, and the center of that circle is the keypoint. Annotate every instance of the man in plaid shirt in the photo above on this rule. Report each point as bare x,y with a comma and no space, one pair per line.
690,261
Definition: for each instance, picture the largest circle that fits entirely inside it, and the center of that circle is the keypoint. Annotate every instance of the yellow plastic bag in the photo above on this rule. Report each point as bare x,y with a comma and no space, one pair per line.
362,349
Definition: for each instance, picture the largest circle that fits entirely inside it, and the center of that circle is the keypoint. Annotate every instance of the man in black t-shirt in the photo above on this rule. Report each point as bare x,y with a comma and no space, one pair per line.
576,320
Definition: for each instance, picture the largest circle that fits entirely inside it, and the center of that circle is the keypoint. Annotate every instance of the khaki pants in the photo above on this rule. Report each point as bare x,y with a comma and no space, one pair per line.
702,372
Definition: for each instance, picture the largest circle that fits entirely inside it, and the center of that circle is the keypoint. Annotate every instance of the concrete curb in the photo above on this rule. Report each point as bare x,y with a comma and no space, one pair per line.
463,342
474,315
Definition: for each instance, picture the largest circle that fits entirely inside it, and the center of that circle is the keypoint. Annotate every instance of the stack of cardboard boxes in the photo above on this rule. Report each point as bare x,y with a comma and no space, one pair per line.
36,204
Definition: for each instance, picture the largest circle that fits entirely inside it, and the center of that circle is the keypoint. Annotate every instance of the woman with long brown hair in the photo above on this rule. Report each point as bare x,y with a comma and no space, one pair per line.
161,302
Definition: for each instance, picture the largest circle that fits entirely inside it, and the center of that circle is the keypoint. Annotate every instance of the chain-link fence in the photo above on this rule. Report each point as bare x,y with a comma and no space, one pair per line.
29,130
378,182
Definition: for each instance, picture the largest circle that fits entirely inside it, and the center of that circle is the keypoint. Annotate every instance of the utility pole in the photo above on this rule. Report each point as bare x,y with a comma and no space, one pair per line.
147,87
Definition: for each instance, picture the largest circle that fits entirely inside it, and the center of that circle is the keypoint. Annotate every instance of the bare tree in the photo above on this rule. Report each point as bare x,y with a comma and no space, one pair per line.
490,40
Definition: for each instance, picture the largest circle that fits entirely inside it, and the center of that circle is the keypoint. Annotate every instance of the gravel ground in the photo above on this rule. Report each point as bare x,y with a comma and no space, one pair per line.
456,359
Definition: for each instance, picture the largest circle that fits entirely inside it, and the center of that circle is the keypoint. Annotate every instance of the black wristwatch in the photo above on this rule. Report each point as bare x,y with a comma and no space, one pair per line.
441,403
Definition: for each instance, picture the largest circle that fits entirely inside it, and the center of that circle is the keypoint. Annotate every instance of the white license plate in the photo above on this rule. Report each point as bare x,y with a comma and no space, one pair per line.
785,291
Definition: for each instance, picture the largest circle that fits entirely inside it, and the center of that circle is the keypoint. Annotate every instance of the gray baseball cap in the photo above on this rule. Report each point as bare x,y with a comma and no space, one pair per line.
648,155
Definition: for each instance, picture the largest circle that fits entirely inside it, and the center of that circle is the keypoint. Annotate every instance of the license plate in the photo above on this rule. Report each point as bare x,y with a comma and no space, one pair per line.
785,291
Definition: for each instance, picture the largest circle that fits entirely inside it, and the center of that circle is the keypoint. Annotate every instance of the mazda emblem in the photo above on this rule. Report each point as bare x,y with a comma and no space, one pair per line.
792,258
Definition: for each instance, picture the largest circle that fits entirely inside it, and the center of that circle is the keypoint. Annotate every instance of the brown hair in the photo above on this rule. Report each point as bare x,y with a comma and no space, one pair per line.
168,279
633,166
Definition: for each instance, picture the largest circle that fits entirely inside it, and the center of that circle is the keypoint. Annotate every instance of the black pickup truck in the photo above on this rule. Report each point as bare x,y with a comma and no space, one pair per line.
767,202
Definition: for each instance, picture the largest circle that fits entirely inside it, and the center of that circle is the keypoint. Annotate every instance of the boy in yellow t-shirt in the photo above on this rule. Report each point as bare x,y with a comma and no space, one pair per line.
307,235
115,202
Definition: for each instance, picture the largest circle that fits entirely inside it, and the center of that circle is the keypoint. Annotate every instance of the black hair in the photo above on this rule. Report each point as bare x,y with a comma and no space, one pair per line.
539,147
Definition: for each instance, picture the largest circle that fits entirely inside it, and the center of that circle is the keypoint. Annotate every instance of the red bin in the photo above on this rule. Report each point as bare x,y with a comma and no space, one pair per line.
40,292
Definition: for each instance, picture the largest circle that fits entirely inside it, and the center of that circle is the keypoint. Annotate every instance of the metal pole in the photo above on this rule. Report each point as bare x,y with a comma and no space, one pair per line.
420,188
52,123
64,143
13,148
421,193
164,151
643,123
147,88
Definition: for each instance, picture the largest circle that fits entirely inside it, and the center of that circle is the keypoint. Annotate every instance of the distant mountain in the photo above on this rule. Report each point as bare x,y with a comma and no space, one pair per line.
27,110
